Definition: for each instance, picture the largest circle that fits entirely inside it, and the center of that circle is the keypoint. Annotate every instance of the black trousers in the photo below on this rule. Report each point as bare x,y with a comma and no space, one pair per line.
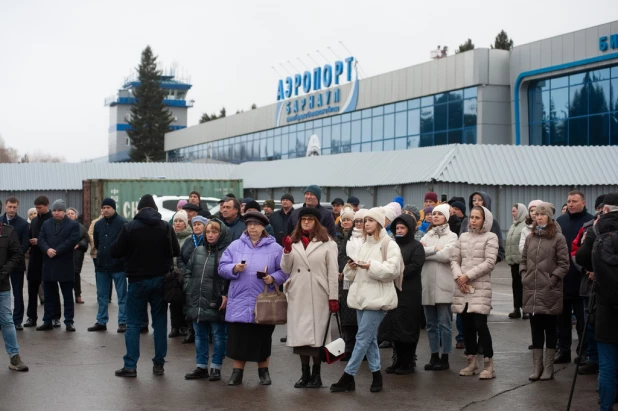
544,330
570,306
177,315
349,336
405,352
518,289
33,295
78,285
476,325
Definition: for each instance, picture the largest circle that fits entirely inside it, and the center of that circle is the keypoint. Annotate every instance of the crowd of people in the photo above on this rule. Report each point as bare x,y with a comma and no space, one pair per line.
385,272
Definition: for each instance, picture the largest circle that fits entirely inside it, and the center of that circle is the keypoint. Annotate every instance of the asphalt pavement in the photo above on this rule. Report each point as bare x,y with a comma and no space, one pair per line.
75,371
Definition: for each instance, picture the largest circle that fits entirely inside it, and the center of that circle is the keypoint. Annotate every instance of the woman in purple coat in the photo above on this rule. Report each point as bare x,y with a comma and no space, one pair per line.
255,251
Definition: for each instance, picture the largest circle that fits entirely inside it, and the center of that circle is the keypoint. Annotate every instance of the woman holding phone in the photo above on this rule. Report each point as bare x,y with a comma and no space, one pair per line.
250,262
310,259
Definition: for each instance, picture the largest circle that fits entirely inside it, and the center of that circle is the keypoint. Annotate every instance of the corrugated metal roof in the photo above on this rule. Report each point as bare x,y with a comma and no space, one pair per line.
69,176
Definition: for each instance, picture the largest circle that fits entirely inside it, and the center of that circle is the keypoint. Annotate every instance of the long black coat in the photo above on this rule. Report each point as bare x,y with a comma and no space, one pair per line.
21,228
404,322
347,314
570,225
35,260
63,239
82,247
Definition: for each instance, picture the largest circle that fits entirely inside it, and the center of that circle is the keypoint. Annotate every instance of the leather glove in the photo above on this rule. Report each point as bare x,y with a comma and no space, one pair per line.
334,306
287,244
554,280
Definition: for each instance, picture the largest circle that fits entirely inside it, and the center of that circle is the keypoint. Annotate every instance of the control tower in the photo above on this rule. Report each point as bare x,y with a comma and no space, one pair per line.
176,89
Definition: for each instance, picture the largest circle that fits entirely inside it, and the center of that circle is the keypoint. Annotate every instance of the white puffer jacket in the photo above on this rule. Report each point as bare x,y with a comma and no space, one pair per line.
374,289
436,277
475,256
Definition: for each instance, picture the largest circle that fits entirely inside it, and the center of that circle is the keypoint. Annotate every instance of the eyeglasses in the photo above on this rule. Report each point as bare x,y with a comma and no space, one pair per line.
359,221
307,219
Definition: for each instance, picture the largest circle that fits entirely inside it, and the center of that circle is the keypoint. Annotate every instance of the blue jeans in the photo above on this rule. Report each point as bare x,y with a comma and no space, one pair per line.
17,283
460,336
366,341
52,301
8,327
149,290
608,363
104,282
219,335
439,327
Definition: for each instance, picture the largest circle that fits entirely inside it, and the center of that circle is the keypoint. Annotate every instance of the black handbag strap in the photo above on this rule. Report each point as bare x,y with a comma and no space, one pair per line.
328,327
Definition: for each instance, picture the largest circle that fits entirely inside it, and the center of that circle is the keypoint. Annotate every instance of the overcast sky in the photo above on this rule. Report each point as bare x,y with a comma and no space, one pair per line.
60,59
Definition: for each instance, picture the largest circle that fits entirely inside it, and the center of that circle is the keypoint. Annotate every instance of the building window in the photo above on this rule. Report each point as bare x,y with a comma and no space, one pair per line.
576,109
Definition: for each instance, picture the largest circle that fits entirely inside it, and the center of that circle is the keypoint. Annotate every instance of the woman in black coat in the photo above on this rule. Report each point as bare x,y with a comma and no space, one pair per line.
78,254
349,324
403,324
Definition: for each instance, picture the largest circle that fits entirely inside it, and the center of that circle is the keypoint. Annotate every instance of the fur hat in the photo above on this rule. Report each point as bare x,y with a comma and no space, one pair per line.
534,203
109,202
147,201
309,211
376,213
317,191
444,209
181,215
256,217
545,208
431,196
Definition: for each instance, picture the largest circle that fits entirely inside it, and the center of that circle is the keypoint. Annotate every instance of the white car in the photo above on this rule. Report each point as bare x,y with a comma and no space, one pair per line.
167,204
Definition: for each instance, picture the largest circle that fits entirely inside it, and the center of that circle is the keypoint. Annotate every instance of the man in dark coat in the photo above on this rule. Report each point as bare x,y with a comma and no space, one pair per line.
35,264
148,246
279,219
21,228
230,211
196,199
10,258
313,194
570,223
57,241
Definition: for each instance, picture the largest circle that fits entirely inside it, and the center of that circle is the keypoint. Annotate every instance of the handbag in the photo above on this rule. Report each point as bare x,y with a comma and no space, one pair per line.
271,308
335,350
172,287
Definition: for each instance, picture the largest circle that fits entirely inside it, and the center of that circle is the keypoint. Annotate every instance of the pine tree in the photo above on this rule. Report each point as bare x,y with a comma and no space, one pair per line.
503,42
205,118
222,112
468,45
150,119
253,106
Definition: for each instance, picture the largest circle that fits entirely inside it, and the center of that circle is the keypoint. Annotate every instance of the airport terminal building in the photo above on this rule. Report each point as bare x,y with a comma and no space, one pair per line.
557,91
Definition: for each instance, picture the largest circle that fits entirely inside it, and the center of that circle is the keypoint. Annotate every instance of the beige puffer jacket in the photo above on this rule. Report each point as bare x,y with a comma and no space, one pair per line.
545,255
475,255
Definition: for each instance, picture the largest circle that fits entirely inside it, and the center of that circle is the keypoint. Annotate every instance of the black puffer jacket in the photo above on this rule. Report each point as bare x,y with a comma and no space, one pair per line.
204,288
82,247
605,264
570,225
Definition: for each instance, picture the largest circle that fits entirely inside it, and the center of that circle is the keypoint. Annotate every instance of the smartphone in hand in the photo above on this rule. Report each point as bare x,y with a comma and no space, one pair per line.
261,274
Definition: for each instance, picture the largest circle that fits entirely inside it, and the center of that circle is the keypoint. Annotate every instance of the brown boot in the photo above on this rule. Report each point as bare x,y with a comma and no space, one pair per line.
537,364
488,372
548,365
472,368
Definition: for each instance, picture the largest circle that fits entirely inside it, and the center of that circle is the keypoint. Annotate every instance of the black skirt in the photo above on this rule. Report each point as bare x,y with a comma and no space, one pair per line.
249,342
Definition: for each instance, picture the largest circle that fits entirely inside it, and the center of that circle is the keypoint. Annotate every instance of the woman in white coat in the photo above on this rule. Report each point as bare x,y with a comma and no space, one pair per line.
372,293
473,261
437,280
310,259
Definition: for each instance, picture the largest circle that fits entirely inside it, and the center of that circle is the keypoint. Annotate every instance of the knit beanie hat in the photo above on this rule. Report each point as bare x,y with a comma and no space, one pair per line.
413,209
348,213
288,196
428,210
545,208
181,203
59,205
181,215
611,199
317,191
377,213
199,219
460,206
445,209
600,200
431,196
147,201
109,202
392,211
534,203
269,203
360,214
399,200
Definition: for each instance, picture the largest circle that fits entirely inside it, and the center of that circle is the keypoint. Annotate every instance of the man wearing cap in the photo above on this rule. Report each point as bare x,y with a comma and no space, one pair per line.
279,219
313,194
107,268
57,240
269,208
192,210
230,211
148,246
337,204
354,202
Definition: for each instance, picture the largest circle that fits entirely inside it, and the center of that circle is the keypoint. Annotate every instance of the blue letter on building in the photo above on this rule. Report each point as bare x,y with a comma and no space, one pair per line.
288,83
280,91
338,70
306,82
613,41
317,78
349,61
603,43
328,75
297,82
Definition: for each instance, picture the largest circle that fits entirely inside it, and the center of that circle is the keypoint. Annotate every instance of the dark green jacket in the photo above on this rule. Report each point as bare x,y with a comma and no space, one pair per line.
203,286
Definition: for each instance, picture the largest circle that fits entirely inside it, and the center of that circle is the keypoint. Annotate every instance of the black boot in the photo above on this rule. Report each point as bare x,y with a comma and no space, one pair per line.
264,376
396,362
304,378
345,383
515,314
435,357
563,357
442,364
190,338
175,332
407,364
376,385
316,378
236,378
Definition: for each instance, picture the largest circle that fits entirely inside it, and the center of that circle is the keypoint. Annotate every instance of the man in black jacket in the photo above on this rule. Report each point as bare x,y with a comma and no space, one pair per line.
148,245
107,268
313,194
10,258
279,219
570,223
195,198
21,228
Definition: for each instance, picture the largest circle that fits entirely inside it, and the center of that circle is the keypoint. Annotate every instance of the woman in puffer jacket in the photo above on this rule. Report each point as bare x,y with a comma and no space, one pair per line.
513,256
472,262
544,263
206,298
437,280
372,293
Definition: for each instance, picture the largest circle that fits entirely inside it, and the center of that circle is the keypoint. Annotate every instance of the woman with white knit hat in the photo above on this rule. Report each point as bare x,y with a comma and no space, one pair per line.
438,285
371,293
525,232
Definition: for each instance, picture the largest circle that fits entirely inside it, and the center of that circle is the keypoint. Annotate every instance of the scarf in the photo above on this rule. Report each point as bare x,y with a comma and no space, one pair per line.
438,230
305,238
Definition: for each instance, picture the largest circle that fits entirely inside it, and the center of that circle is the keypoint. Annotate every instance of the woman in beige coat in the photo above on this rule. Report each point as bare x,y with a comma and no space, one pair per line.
473,261
310,258
544,263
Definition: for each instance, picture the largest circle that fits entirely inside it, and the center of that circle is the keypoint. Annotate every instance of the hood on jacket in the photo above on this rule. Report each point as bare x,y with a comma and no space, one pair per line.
409,222
489,220
522,213
148,216
486,200
608,222
225,237
264,241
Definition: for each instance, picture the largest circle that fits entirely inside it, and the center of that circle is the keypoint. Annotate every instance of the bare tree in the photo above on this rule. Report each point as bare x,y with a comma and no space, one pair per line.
7,154
40,157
